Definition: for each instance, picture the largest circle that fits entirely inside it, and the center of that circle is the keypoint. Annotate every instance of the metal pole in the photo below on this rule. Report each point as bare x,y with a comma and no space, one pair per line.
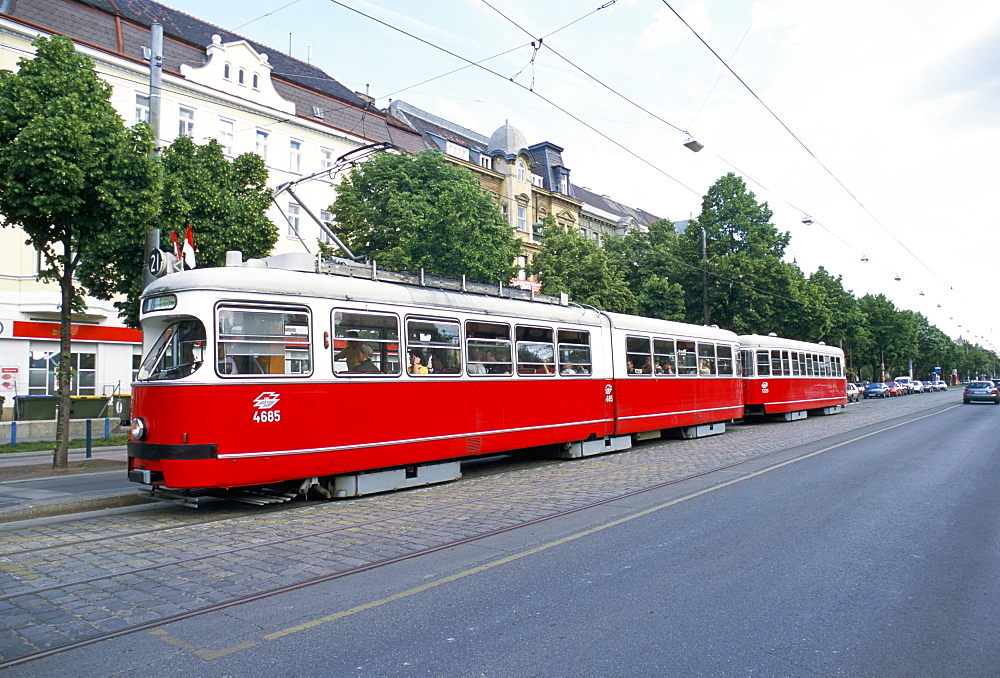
89,441
155,107
704,275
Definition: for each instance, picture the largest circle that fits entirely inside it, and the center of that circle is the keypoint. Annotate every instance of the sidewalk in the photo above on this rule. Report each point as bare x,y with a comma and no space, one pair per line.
31,488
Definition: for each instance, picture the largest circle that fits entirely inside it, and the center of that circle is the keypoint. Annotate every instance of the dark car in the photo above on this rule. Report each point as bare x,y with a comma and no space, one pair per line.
876,389
981,391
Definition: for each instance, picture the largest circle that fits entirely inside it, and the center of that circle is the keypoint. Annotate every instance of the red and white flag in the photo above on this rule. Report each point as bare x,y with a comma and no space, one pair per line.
177,245
187,254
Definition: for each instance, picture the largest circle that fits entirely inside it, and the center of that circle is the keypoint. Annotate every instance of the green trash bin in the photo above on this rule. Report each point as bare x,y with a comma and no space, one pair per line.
33,407
88,407
121,407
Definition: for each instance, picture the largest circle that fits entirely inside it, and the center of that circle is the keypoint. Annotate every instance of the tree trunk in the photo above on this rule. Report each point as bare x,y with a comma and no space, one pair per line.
60,459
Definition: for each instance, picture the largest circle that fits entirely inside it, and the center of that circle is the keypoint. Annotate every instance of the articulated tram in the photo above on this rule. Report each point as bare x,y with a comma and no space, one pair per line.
269,374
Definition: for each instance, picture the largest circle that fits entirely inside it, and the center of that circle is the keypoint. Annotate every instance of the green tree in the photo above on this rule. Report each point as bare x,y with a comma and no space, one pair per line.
71,176
573,264
645,259
224,202
412,212
742,257
848,329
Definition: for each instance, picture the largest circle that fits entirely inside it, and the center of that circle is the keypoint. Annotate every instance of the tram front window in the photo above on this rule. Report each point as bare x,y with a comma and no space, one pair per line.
177,353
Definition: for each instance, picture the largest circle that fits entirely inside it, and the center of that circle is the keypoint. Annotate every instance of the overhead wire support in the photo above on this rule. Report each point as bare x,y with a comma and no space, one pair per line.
550,102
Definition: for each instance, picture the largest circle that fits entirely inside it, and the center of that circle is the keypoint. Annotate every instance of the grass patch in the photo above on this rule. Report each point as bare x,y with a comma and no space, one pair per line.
75,443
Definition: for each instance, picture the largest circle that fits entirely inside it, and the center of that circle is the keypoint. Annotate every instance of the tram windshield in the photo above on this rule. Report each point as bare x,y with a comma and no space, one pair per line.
177,353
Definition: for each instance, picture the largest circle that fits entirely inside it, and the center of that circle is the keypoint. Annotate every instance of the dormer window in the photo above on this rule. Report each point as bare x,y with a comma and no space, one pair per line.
522,171
256,81
227,72
242,77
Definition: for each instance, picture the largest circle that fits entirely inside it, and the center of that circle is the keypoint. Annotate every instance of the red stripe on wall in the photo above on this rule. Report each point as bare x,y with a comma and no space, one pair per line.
34,329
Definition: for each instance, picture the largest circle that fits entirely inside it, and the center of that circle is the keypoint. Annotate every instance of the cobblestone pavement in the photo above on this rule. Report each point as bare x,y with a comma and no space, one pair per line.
66,581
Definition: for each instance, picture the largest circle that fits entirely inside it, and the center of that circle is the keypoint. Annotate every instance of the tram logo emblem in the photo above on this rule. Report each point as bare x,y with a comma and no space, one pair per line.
266,400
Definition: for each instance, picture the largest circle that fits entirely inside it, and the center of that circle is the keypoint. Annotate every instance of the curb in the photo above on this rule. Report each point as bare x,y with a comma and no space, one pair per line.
48,509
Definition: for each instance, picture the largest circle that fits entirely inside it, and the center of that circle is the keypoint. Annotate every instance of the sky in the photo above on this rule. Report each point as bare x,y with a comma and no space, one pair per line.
876,120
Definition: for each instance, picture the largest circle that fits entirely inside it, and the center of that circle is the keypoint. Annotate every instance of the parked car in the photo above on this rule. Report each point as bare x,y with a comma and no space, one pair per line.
905,383
916,386
981,391
877,389
939,385
895,388
853,393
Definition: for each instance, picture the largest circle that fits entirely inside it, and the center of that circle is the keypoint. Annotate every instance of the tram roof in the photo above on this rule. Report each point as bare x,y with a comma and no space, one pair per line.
761,341
273,284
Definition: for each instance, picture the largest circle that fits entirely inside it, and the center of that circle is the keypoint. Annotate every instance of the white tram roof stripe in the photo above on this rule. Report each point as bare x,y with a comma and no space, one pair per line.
276,285
760,341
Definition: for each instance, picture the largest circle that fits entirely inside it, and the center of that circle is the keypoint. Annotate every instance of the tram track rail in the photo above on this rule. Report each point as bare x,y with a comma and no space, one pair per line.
166,573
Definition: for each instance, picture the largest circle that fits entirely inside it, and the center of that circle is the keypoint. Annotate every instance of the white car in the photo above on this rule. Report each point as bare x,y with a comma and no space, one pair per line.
853,393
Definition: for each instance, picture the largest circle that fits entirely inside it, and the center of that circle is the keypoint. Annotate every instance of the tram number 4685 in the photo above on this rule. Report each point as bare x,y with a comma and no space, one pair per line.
263,403
265,416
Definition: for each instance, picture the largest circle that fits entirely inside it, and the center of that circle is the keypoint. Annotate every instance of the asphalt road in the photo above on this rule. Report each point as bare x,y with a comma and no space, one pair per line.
874,552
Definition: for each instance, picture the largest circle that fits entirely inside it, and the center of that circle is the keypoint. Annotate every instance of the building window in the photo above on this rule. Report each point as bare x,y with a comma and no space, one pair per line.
456,150
255,82
522,267
326,158
537,180
295,156
142,108
227,72
327,218
43,366
185,122
241,77
522,171
227,130
522,218
294,214
484,161
262,144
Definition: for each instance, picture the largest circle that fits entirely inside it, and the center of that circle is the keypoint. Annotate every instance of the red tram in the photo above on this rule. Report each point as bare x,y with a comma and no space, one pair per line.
259,375
788,378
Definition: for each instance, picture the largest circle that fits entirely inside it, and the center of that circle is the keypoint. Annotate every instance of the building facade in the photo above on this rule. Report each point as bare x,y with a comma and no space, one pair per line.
215,84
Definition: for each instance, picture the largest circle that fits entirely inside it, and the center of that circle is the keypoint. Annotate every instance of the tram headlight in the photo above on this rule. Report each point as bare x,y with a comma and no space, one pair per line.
138,429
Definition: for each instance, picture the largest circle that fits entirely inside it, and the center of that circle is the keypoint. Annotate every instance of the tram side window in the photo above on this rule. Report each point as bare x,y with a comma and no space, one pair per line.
776,363
178,352
488,346
365,343
786,364
817,370
826,366
664,358
725,354
746,362
838,366
795,364
638,358
706,360
433,347
574,353
687,359
535,350
263,341
763,364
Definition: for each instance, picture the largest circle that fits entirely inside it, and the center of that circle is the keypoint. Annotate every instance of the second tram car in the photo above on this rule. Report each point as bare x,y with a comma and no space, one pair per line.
344,384
789,379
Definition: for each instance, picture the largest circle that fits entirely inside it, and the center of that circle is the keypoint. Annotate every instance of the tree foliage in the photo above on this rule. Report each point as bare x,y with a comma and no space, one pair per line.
646,262
73,177
422,212
225,202
573,264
